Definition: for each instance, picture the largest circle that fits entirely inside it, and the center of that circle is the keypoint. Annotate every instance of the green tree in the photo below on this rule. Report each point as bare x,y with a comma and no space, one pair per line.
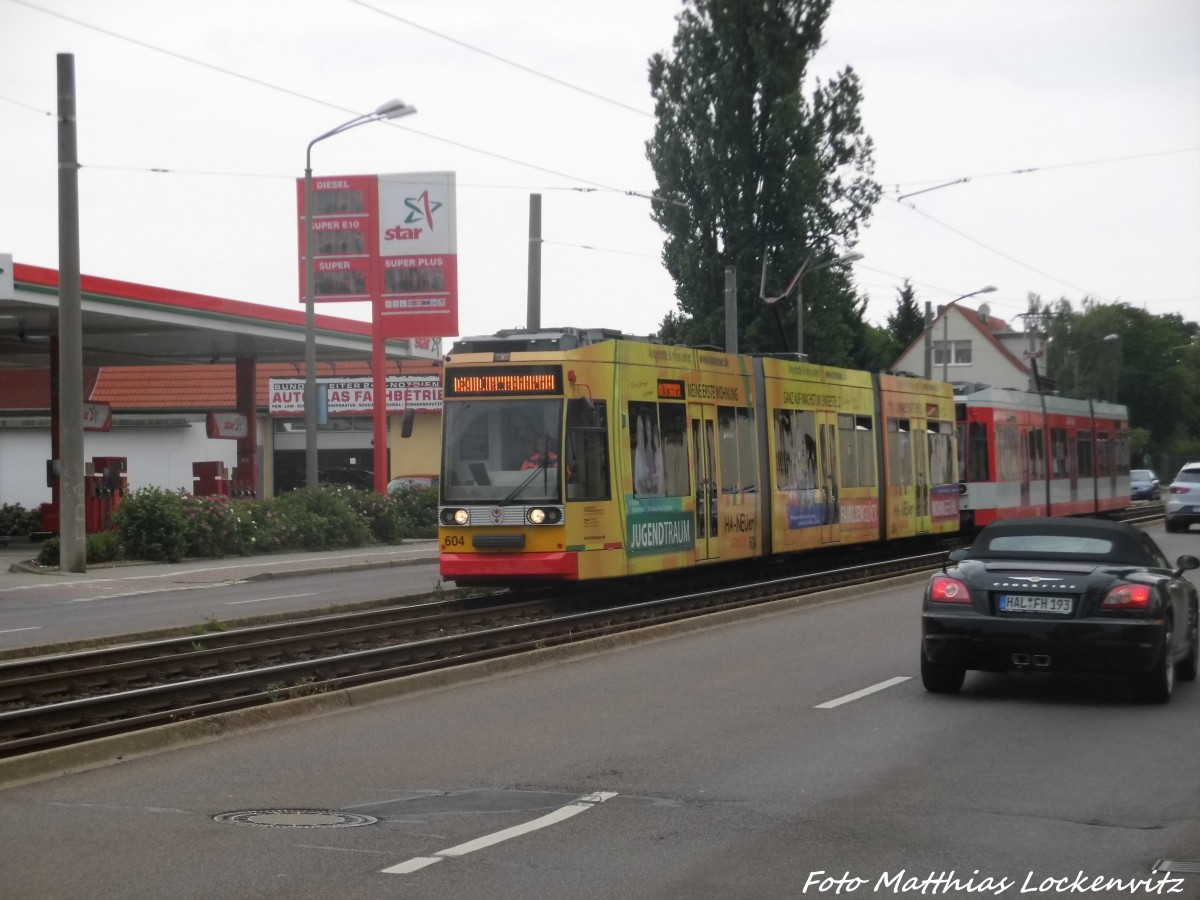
907,323
1152,366
753,173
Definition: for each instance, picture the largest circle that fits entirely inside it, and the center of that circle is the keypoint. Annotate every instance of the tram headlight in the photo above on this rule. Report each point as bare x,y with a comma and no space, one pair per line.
455,517
539,516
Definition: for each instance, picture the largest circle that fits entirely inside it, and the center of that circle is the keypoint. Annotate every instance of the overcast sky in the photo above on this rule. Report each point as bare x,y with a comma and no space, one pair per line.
1100,98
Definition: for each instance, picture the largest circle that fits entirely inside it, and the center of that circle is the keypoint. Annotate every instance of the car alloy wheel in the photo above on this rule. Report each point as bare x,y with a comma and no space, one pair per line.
1158,685
1188,667
941,679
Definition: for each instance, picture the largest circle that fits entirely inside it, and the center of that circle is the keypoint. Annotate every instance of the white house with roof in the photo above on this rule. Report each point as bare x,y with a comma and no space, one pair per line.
968,346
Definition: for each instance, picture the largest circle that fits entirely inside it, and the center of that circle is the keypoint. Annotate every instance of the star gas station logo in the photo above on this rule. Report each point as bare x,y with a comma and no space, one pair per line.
389,239
421,209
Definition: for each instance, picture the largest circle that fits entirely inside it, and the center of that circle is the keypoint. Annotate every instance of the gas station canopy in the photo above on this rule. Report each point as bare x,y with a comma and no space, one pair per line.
131,324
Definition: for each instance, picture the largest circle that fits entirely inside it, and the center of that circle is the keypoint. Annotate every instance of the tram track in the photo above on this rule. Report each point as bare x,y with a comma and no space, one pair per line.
70,698
53,701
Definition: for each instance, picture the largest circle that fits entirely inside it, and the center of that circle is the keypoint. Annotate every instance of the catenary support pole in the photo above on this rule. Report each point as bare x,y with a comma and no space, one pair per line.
72,532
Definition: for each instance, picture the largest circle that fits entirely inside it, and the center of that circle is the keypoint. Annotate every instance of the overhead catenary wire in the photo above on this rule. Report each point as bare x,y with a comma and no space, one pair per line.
336,106
544,169
508,62
962,179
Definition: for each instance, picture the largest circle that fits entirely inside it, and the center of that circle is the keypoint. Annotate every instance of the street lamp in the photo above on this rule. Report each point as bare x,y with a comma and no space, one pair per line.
393,109
1106,339
804,269
946,327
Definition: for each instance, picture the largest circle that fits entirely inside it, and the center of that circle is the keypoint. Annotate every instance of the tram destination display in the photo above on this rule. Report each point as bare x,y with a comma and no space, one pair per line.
504,381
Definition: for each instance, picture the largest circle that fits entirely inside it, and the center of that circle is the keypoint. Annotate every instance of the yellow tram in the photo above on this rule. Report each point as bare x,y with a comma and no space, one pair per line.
581,455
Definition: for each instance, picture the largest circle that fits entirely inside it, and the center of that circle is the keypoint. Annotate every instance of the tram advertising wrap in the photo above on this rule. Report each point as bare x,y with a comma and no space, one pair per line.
581,455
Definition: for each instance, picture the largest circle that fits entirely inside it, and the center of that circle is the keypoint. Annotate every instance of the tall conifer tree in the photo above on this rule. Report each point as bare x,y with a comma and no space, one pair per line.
749,166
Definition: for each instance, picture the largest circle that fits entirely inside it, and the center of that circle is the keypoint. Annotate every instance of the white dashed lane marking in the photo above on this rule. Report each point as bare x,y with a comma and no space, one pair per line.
583,804
858,695
280,597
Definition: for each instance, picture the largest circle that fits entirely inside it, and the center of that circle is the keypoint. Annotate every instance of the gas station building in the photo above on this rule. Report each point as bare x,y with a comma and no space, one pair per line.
196,393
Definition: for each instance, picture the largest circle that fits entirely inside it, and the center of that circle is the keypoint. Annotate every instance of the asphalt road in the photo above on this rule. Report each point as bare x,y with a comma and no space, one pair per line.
794,755
49,610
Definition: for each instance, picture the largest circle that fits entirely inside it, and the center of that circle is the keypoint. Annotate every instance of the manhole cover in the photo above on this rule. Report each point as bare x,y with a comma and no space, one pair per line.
295,818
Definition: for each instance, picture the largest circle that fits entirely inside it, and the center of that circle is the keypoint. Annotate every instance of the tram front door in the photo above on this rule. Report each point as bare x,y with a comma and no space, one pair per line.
704,473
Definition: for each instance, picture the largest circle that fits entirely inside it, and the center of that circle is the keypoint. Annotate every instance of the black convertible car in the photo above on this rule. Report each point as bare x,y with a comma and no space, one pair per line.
1062,595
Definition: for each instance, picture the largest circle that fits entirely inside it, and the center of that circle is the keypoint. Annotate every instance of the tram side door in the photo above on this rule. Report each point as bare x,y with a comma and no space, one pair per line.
923,512
830,511
704,443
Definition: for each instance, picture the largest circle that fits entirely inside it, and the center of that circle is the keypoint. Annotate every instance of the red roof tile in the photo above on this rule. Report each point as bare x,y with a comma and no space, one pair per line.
29,389
174,388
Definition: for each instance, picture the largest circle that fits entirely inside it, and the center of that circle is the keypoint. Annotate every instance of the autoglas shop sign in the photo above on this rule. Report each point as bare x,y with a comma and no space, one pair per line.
422,393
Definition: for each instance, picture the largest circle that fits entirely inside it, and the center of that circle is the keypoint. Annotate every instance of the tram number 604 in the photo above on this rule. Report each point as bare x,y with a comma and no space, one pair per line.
454,540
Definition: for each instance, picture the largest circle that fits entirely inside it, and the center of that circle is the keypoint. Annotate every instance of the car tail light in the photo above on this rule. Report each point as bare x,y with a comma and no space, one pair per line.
944,589
1179,490
1127,596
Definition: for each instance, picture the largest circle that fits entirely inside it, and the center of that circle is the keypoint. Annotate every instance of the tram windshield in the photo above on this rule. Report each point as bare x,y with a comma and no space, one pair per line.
502,451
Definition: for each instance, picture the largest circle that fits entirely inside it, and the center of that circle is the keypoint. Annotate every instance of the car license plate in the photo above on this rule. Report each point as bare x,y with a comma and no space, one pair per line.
1018,603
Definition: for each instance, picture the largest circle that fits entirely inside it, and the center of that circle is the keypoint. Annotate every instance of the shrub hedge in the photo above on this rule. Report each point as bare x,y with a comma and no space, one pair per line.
161,525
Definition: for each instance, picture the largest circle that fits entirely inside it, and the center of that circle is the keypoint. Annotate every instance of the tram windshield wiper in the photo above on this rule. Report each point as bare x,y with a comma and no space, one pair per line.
543,467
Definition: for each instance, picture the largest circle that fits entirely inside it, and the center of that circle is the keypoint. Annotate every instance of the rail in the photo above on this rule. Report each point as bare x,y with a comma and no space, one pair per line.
58,700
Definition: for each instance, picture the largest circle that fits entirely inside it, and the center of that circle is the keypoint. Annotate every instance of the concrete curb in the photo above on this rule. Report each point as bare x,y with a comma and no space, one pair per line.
31,568
120,748
341,568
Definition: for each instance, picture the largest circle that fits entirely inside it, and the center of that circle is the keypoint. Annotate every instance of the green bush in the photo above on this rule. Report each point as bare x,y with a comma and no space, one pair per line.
320,519
219,527
380,514
264,525
17,520
156,524
152,525
48,555
418,508
101,547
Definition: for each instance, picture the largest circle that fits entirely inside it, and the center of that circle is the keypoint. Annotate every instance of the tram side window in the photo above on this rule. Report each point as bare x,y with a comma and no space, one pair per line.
795,450
587,450
978,464
673,419
1058,452
1037,453
1008,449
857,442
784,442
1103,454
738,471
1122,450
941,452
1083,452
658,448
900,467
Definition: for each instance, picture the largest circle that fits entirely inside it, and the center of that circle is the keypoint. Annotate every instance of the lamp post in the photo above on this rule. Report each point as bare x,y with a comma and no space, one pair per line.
393,109
1106,339
946,327
804,269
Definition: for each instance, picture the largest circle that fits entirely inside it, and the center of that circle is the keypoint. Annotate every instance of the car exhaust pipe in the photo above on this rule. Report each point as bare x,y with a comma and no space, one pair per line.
1020,660
1041,660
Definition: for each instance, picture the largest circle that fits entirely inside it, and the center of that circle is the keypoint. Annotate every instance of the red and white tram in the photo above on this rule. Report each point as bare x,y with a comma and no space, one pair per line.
1023,454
